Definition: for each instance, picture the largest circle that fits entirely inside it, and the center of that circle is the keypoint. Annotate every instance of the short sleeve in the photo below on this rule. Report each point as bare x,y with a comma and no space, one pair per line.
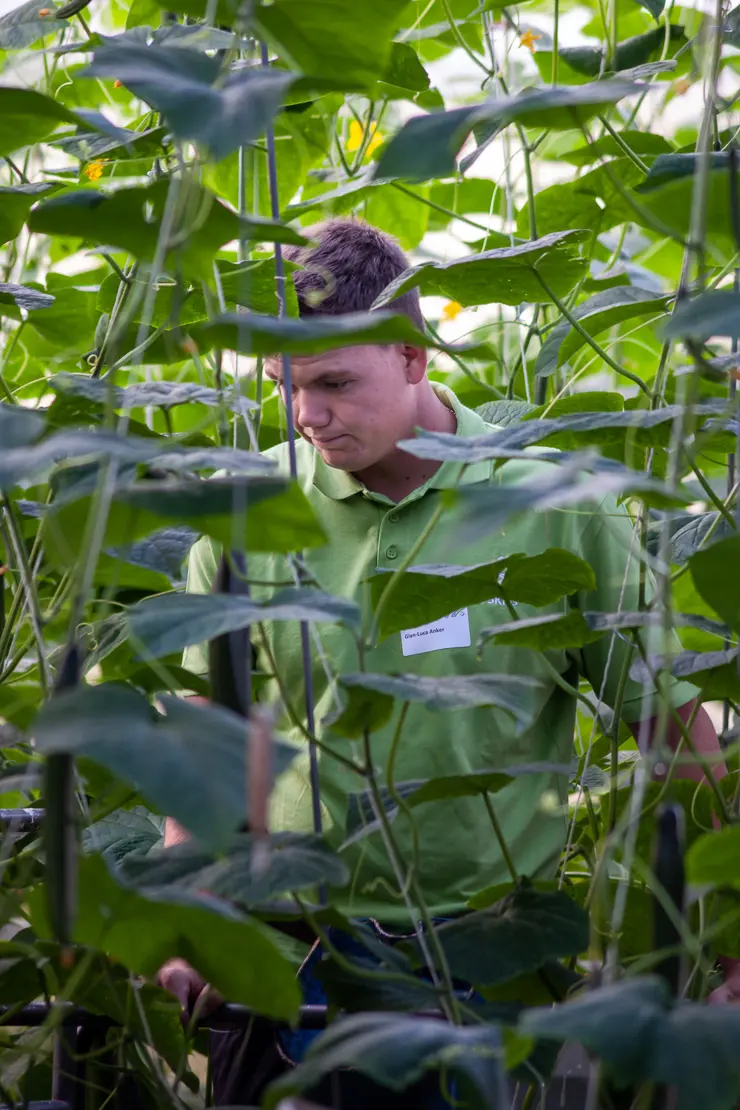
609,544
202,568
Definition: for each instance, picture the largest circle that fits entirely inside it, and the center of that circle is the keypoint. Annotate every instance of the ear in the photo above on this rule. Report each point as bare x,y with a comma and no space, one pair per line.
415,362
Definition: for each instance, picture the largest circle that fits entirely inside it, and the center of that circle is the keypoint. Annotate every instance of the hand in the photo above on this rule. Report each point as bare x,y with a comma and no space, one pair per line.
728,992
189,988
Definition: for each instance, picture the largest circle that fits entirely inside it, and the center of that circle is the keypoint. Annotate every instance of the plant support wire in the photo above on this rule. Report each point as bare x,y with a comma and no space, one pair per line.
287,390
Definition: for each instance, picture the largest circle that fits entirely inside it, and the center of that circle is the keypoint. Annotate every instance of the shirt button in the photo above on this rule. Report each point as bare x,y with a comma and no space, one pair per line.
393,518
392,552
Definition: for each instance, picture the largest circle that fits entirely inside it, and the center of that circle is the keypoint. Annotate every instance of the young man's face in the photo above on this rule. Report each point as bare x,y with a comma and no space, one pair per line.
354,404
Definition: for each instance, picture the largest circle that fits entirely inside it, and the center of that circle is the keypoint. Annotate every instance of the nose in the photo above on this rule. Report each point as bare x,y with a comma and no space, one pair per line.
310,410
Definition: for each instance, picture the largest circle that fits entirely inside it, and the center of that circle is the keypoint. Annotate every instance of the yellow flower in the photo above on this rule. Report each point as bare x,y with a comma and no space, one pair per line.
94,170
682,86
451,310
117,84
357,134
528,39
44,12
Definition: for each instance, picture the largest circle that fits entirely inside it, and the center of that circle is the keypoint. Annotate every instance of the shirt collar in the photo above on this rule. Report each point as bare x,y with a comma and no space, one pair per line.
339,485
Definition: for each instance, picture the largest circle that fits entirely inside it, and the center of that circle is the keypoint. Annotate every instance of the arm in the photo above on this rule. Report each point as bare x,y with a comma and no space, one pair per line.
706,744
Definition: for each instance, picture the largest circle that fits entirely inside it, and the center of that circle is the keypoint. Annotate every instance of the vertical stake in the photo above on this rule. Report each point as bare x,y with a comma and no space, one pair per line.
282,311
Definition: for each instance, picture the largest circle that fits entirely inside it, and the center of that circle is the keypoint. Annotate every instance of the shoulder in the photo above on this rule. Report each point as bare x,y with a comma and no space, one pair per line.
305,460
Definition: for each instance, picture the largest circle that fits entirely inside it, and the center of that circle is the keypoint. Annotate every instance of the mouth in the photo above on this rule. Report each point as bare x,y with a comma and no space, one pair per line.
328,444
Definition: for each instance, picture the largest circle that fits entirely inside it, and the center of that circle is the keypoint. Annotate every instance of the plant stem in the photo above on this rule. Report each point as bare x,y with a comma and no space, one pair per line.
500,838
575,324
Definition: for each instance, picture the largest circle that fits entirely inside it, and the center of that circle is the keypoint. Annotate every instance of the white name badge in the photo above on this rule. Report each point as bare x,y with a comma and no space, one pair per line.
447,632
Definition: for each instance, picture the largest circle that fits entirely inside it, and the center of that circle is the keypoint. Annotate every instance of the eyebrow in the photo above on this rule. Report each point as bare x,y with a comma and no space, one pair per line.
326,376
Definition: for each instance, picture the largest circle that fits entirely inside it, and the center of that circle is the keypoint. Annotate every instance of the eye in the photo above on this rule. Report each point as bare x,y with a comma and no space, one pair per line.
337,385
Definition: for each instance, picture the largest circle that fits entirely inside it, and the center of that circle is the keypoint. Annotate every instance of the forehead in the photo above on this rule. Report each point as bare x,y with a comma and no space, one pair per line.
308,368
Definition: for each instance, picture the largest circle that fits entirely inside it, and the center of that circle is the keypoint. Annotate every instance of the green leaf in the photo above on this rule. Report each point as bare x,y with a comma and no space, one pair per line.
640,142
666,195
714,313
167,624
518,934
632,1028
427,146
395,1050
504,413
15,202
426,593
19,427
715,858
592,200
23,297
361,819
27,117
507,275
589,61
188,762
512,693
710,570
404,71
596,315
165,394
23,26
266,335
686,664
120,219
180,84
253,514
124,831
655,7
355,52
143,931
254,870
485,511
551,632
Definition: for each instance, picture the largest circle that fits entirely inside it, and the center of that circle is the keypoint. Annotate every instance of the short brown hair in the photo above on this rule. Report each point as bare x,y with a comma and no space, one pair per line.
348,268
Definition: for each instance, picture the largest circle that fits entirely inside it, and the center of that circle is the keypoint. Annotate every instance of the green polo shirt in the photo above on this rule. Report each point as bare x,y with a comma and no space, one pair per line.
457,852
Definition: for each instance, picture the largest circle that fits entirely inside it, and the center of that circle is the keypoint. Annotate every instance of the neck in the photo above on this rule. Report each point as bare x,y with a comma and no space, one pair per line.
398,474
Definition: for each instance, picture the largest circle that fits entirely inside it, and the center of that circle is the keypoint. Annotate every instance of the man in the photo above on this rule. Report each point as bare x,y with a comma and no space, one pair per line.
351,407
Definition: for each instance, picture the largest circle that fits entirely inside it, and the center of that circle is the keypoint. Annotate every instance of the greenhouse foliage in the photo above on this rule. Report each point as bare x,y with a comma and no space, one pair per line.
580,252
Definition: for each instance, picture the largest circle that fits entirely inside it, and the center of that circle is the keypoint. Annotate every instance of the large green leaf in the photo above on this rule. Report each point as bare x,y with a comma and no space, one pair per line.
142,931
589,61
166,624
714,313
715,858
122,219
266,335
720,588
27,117
188,762
485,511
518,934
165,394
18,426
25,25
361,818
426,593
507,275
254,871
592,200
328,38
427,146
584,153
395,1050
181,85
15,202
512,693
596,315
254,514
23,296
667,191
632,1028
554,631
